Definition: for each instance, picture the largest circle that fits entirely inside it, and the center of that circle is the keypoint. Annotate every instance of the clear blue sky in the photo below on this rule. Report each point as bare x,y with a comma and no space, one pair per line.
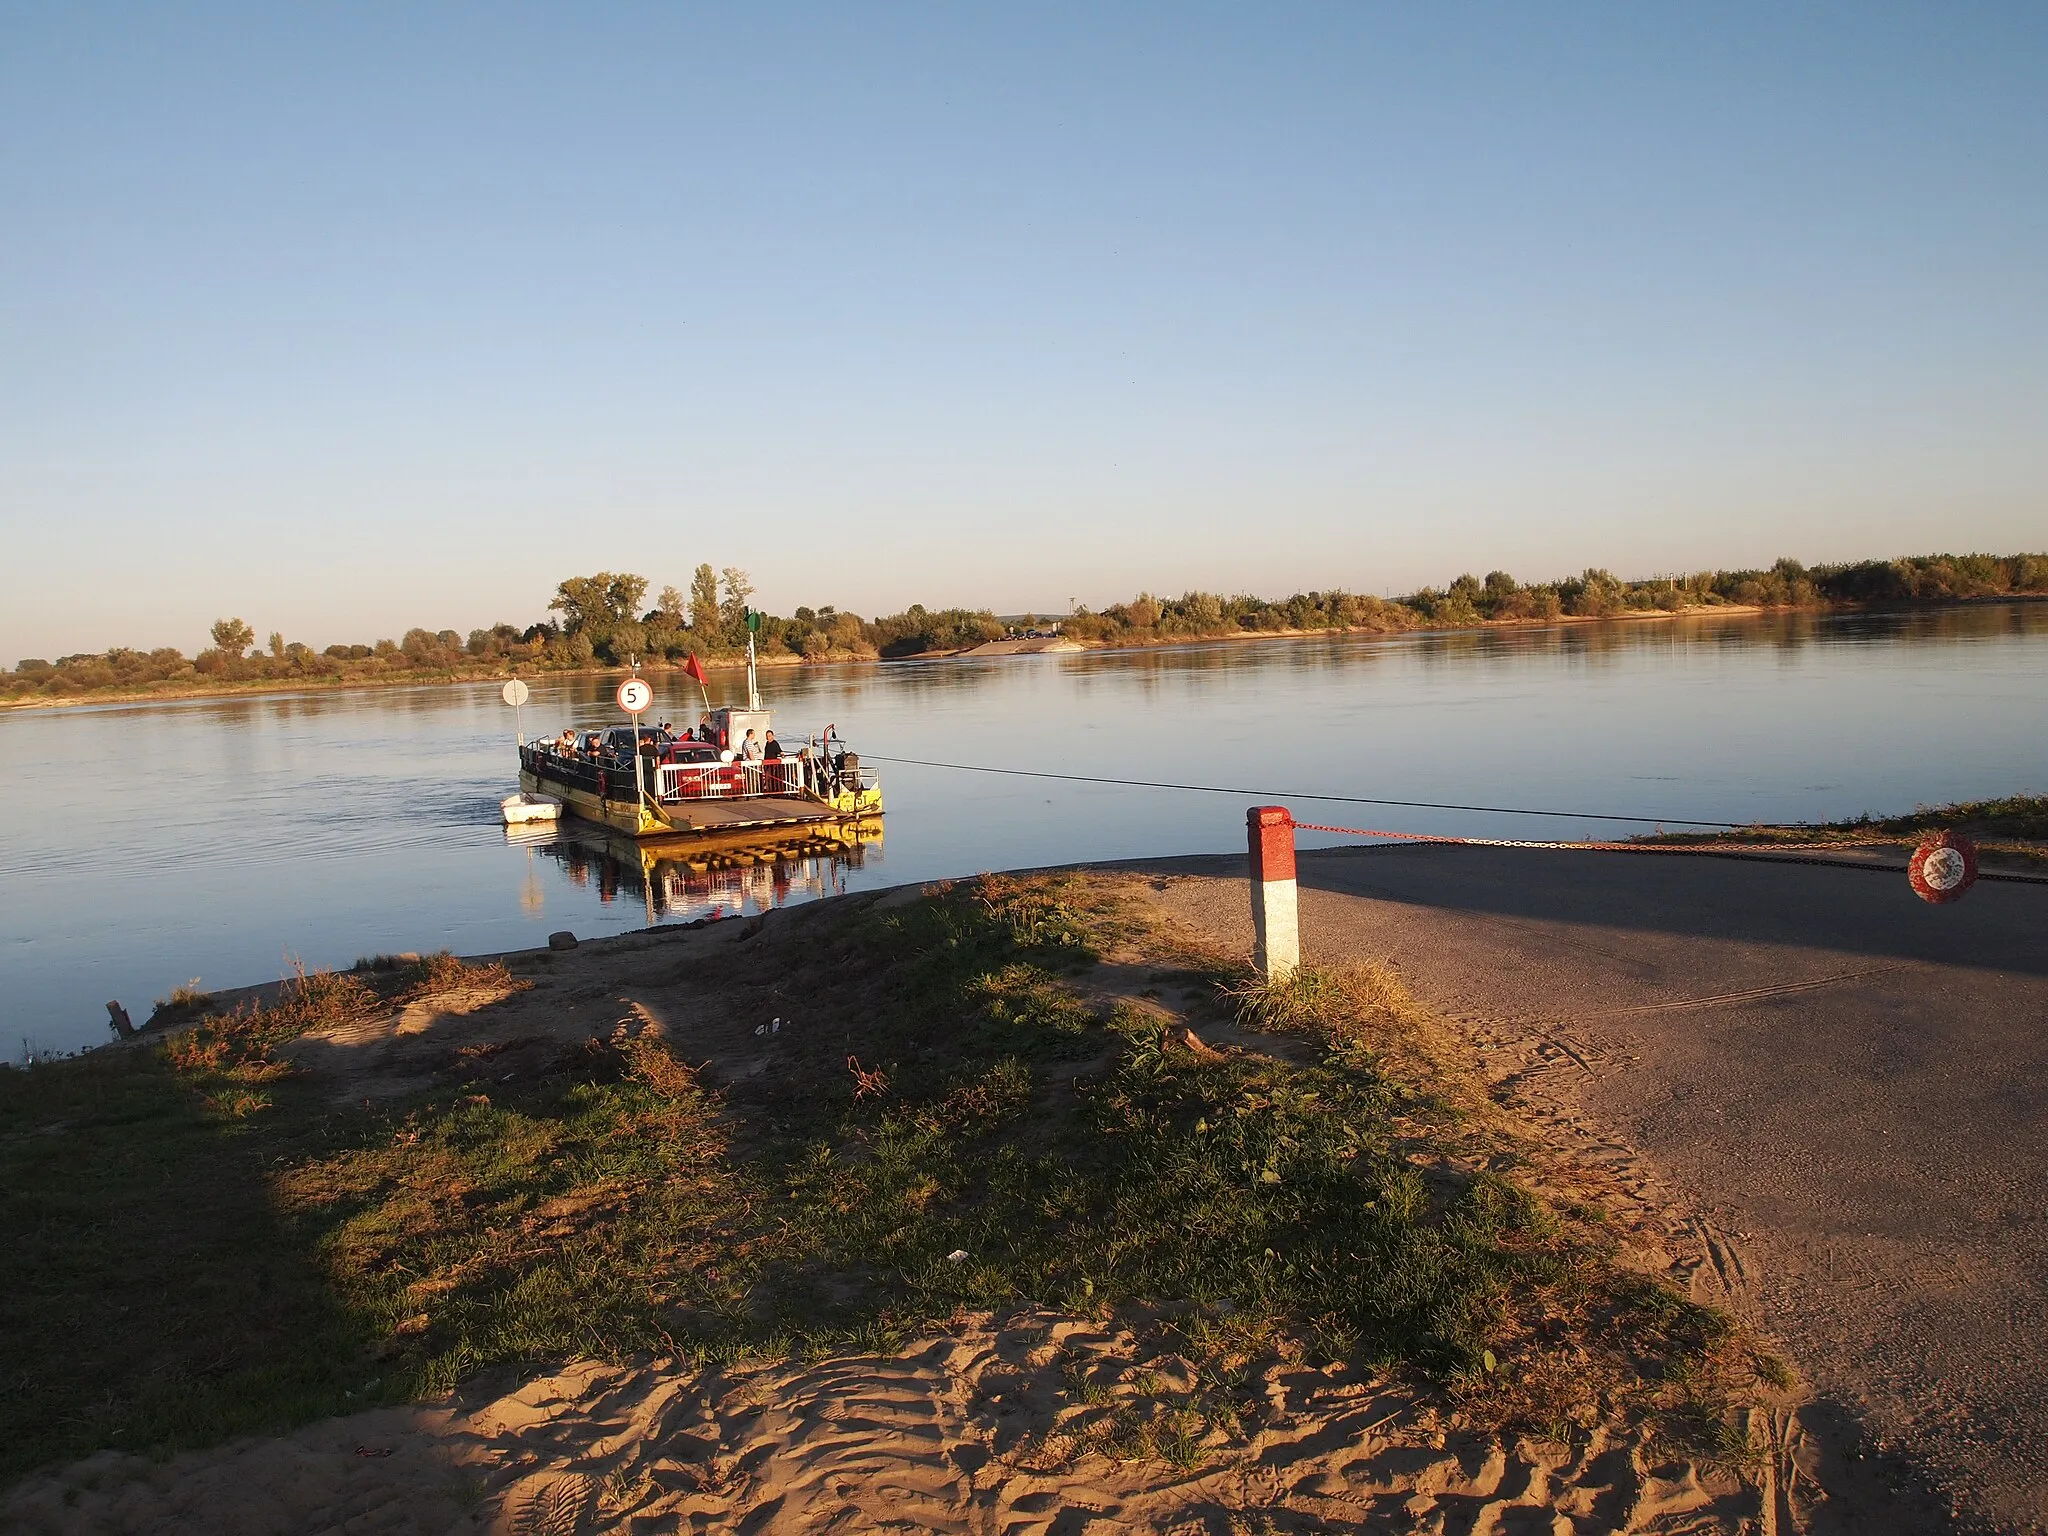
346,318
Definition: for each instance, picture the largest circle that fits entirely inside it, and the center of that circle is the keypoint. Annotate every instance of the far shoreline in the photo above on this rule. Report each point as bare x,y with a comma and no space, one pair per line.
275,688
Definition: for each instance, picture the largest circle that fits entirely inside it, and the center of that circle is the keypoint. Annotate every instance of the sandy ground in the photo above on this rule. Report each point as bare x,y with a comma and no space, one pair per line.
1841,1084
967,1431
1041,645
994,1425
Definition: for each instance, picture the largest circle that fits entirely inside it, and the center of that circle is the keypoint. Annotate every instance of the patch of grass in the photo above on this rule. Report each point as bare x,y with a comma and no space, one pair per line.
1155,1173
154,1290
1773,1372
186,1001
1078,1385
149,1296
591,1213
2008,824
243,1043
1171,1433
1590,1335
2023,816
245,1253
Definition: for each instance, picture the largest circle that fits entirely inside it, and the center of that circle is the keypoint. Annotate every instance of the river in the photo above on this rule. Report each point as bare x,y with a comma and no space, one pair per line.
227,839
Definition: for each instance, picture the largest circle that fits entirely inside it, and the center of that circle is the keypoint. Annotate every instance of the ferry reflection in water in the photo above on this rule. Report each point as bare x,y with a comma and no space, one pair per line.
682,880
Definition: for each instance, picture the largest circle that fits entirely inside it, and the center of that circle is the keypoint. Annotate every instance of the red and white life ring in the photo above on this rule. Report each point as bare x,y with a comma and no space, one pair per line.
1943,867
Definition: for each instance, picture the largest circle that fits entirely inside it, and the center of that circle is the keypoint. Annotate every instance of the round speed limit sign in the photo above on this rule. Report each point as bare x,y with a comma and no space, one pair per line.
514,693
635,695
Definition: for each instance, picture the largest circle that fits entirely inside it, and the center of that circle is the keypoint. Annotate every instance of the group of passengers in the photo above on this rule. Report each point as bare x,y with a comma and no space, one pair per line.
609,746
654,743
748,749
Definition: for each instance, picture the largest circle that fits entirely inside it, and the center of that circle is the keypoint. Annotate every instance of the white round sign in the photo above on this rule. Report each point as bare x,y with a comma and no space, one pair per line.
1944,869
515,693
635,695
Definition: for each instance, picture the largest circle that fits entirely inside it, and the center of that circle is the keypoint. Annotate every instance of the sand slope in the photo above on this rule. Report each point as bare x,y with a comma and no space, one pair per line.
977,1430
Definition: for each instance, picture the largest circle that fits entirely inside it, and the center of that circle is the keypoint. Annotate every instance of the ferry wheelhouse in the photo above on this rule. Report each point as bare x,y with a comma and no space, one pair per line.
653,782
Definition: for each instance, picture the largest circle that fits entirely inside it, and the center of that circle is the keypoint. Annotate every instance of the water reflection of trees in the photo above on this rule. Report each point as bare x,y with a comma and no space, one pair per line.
687,883
1201,673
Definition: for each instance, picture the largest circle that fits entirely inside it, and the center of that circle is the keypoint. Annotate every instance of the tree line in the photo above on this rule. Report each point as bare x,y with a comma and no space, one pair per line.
604,620
1593,594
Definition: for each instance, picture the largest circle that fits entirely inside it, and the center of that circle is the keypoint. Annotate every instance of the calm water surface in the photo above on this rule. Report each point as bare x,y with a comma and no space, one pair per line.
150,844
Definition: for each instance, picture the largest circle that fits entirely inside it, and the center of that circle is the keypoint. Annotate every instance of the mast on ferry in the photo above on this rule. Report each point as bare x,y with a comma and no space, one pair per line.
753,629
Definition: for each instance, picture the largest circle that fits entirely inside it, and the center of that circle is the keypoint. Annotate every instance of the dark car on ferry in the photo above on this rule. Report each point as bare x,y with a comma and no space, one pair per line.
621,741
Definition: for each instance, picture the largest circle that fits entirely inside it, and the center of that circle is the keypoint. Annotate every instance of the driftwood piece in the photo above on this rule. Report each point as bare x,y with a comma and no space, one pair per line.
117,1017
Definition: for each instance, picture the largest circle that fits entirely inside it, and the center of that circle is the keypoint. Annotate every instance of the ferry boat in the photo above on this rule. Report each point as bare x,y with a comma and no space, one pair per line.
651,782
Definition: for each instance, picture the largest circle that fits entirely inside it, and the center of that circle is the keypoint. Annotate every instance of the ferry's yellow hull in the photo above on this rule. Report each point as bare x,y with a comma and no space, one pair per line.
643,819
855,802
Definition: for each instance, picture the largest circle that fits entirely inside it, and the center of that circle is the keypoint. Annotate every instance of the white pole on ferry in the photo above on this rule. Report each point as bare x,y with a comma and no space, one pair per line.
753,692
639,781
514,693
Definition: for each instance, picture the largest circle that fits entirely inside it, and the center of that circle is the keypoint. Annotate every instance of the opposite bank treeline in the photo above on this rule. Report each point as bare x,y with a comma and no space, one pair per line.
602,620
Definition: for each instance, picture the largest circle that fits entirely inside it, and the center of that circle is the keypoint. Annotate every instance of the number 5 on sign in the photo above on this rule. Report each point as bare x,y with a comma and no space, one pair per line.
635,695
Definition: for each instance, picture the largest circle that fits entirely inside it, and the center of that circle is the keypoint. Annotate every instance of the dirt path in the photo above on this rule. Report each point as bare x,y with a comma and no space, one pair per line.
1846,1085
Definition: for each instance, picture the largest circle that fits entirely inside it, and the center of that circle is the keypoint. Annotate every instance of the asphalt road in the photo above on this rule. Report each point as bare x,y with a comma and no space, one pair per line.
1848,1083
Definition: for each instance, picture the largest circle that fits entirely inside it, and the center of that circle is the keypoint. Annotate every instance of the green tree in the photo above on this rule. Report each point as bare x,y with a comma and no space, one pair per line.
598,603
232,637
732,612
276,643
625,597
704,604
1599,594
668,608
580,601
625,642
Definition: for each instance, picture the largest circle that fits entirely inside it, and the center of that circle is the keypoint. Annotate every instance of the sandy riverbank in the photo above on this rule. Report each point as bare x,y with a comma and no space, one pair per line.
1059,1414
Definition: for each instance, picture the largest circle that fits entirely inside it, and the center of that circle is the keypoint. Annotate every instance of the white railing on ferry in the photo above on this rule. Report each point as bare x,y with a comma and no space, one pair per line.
730,781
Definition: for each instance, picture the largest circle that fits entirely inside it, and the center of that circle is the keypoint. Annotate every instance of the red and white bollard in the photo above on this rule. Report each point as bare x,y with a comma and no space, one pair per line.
1276,928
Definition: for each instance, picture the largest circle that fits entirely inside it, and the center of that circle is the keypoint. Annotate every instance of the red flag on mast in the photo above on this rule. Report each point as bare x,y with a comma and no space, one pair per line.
694,668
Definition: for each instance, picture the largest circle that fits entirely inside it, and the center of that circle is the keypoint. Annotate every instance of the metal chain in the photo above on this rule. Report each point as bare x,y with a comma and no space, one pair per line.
1763,853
